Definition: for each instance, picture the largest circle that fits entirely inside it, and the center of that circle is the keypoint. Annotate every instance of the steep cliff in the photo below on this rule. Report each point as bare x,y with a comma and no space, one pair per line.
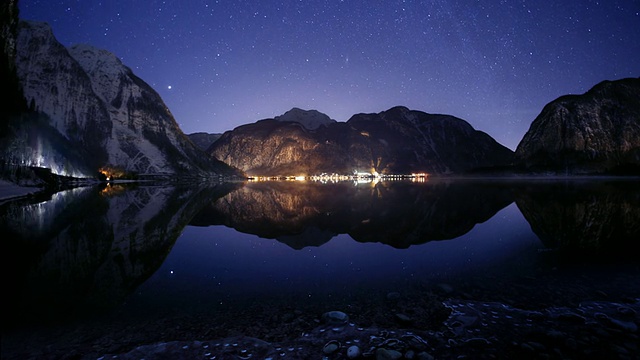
12,100
395,141
97,103
271,147
596,132
403,140
55,84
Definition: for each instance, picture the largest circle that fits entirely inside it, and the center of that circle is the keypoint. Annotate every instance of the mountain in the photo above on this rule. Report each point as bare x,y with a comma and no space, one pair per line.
396,141
596,132
203,140
310,119
97,103
12,101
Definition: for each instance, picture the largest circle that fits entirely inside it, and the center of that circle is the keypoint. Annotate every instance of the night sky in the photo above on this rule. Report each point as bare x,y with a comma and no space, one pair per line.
221,64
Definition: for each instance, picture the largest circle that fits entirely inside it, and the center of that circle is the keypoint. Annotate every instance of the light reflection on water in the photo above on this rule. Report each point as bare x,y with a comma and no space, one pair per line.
162,251
214,264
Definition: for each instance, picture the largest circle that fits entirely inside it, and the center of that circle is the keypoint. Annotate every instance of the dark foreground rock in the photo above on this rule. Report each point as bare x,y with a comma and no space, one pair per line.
474,329
448,321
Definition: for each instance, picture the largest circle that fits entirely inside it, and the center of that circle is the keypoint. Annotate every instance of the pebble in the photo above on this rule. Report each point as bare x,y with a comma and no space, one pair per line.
623,310
403,318
335,318
415,342
477,342
622,325
353,352
384,354
425,356
331,347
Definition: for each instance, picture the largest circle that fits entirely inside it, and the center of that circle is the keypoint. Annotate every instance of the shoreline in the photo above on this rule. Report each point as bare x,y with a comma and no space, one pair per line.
12,191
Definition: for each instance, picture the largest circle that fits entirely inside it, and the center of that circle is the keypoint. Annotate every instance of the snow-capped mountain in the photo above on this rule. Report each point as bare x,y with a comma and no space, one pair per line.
99,104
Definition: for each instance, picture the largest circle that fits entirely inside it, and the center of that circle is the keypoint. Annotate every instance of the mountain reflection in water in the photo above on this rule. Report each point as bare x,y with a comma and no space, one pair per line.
90,247
113,250
399,214
584,218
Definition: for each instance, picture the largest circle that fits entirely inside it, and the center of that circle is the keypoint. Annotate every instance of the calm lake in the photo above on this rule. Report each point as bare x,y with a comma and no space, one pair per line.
446,268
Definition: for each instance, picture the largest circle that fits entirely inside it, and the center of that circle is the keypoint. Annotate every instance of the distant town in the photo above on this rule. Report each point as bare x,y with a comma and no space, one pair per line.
356,176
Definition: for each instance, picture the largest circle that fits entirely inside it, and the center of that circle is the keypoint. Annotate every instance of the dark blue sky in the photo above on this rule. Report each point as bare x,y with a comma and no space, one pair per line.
220,64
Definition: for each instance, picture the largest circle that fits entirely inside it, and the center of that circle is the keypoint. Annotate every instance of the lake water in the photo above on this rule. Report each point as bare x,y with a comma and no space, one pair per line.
98,271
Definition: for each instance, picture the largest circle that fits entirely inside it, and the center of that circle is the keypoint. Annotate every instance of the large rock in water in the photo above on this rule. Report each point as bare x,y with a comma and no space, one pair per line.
101,107
396,141
596,132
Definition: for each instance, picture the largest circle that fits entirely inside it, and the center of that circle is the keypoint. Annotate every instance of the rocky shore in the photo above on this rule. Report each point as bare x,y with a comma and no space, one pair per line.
474,330
442,322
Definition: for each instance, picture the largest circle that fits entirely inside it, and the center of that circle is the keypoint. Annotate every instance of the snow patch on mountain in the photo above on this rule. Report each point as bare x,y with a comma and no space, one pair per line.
105,69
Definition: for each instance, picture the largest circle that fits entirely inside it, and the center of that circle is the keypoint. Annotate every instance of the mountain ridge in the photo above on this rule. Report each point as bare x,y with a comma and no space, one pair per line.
310,119
98,103
102,108
203,139
396,141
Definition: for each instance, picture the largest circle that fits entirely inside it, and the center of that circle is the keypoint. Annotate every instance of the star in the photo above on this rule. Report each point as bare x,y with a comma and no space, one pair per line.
447,57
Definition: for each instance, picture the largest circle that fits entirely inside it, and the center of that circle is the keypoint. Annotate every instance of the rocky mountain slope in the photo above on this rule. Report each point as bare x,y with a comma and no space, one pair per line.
595,132
398,141
97,103
12,101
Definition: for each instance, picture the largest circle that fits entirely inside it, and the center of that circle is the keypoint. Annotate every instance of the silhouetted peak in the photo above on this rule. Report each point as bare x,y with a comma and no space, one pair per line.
310,119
